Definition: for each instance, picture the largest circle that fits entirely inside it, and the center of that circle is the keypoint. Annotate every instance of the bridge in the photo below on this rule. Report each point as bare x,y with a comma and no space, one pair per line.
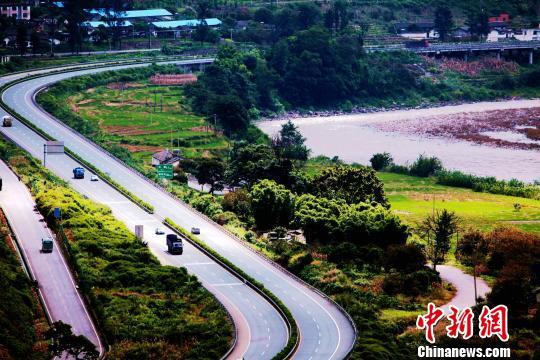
465,49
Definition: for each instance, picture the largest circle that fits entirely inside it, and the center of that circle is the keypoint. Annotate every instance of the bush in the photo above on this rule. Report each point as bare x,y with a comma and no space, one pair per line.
425,166
380,161
406,258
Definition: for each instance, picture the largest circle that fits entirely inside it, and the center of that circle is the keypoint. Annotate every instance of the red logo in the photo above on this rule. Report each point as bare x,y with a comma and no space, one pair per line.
490,322
494,322
429,321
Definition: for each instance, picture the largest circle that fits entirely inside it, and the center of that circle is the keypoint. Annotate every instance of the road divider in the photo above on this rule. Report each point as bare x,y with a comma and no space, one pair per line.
294,335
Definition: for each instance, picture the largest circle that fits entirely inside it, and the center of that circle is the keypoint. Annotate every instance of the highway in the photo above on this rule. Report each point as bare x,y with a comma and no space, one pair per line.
57,287
326,332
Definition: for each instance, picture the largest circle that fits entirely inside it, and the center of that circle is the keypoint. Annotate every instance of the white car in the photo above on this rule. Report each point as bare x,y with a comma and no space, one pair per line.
160,231
94,178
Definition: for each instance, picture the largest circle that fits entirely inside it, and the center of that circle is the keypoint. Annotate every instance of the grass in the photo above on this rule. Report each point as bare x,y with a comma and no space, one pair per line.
414,198
145,118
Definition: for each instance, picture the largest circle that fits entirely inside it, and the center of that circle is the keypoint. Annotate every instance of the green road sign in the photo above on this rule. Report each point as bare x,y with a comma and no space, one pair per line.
164,171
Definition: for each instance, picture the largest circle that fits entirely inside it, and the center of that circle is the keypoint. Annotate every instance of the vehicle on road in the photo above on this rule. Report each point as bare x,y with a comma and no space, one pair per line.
94,178
160,231
7,121
78,173
174,244
195,230
47,245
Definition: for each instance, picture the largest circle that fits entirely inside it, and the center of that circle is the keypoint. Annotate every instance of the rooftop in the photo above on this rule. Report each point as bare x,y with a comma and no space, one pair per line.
133,13
185,23
96,24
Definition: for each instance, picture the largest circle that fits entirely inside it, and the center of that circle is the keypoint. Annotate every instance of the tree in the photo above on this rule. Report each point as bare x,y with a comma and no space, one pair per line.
352,184
437,229
289,143
231,114
210,171
63,340
74,14
239,202
337,17
114,11
381,160
272,204
406,258
21,37
35,41
249,163
478,22
444,21
426,166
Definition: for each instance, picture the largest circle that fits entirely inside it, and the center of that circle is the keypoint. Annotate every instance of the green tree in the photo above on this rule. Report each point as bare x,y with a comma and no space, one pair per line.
381,160
426,166
437,229
74,15
249,163
478,22
63,340
210,171
352,184
272,204
337,17
289,143
21,37
444,22
318,217
35,41
231,114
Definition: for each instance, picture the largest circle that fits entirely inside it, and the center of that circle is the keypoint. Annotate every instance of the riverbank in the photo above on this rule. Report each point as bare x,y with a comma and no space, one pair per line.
356,137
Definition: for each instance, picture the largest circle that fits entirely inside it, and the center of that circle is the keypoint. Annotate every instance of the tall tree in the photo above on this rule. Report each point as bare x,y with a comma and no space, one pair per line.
210,171
114,17
21,37
437,229
289,143
478,22
444,22
337,17
272,204
74,15
35,41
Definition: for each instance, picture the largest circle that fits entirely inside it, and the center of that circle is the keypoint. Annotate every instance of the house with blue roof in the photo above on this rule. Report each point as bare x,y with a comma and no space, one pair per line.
133,15
185,24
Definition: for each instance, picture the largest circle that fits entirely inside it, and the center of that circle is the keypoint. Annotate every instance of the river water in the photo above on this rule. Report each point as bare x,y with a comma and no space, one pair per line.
355,138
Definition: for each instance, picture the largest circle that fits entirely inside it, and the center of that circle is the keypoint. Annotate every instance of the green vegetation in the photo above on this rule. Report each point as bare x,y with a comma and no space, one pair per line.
142,307
22,320
131,118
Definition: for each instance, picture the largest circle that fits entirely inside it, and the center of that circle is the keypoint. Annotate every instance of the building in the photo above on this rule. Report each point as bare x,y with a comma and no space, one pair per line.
17,11
185,24
96,24
166,157
527,34
501,18
416,31
134,15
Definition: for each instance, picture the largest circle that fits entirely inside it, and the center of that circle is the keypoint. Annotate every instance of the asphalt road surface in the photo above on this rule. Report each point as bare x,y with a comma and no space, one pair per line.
56,285
326,332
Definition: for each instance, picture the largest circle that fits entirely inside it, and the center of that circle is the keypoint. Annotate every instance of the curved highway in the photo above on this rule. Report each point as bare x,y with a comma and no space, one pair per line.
326,332
261,331
61,298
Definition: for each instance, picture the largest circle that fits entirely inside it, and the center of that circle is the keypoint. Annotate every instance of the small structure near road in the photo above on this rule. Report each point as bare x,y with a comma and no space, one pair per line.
166,157
173,79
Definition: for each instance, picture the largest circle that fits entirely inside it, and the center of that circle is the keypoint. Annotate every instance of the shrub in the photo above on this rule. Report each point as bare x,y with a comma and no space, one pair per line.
405,258
425,166
380,161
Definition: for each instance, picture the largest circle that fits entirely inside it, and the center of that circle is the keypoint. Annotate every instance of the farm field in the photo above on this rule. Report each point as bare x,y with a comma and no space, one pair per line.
145,118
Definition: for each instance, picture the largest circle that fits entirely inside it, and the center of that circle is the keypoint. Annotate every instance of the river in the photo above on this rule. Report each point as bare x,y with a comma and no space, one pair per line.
356,137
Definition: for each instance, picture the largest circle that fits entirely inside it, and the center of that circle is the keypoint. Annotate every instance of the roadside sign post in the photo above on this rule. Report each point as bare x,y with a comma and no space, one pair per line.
57,213
139,231
164,171
52,148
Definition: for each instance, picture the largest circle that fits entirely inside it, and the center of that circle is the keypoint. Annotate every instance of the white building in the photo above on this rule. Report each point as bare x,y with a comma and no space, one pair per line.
18,11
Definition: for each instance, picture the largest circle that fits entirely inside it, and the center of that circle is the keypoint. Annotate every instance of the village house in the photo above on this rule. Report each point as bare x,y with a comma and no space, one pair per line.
417,30
167,157
19,11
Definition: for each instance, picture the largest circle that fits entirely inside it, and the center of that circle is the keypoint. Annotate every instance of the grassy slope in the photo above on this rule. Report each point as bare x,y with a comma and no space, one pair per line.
22,320
143,307
128,109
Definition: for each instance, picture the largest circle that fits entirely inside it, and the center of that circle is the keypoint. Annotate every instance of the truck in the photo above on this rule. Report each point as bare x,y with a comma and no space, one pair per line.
174,244
7,121
78,173
47,245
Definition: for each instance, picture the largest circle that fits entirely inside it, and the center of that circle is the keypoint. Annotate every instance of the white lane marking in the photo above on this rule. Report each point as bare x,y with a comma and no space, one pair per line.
228,284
